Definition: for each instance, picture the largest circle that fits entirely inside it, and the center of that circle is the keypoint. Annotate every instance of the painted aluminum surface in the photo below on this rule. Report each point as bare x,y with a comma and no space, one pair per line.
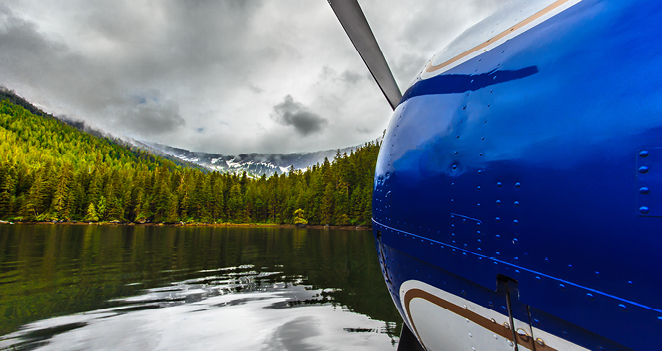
539,160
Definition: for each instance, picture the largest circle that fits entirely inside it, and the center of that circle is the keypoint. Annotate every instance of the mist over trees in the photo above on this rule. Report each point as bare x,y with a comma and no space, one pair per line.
49,171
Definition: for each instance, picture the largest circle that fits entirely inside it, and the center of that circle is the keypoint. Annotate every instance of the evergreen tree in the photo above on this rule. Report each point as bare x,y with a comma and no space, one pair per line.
91,214
7,195
60,205
299,217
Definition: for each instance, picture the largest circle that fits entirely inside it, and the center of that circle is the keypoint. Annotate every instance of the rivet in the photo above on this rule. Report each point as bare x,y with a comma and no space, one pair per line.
536,323
644,190
590,297
515,241
537,278
540,342
644,210
510,343
516,203
497,219
499,184
479,187
622,307
506,325
643,153
518,184
480,171
643,169
482,138
452,184
497,236
515,222
498,202
457,137
562,287
454,167
491,305
464,292
517,270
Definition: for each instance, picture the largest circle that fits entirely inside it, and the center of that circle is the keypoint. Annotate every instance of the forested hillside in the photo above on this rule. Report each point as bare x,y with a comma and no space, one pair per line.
51,171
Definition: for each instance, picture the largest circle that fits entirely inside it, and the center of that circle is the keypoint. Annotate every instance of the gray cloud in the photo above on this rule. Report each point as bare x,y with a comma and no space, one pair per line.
149,68
350,77
295,114
149,114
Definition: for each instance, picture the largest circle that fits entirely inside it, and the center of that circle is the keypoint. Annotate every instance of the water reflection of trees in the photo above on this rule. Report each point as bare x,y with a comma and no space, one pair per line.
48,270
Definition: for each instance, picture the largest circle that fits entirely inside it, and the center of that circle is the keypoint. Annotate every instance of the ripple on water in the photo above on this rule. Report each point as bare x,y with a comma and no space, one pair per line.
232,311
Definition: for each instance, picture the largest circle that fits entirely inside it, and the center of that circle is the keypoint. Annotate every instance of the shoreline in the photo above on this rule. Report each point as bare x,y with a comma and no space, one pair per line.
181,224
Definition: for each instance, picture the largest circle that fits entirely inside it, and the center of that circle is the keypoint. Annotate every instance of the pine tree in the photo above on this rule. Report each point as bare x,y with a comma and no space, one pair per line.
101,208
327,205
172,216
299,217
6,195
60,205
91,214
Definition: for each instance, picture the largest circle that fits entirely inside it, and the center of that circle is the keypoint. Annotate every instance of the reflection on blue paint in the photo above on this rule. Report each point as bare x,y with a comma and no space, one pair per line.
460,83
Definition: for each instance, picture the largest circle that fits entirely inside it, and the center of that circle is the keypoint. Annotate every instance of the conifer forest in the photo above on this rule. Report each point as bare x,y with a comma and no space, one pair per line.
51,171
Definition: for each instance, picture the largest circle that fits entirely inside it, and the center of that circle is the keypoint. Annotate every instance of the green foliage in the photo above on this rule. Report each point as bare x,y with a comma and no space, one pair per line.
298,217
91,214
52,171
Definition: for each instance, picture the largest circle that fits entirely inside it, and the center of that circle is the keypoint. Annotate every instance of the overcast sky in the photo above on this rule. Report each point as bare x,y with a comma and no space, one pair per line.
233,76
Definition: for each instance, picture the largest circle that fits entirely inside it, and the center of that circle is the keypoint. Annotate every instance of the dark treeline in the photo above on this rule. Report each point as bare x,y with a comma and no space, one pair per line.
50,171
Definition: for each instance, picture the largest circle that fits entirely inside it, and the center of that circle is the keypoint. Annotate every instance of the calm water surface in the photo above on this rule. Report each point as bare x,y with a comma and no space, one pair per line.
68,287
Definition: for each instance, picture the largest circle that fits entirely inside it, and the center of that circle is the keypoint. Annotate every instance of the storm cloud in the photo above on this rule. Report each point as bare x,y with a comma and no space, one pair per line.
161,70
295,114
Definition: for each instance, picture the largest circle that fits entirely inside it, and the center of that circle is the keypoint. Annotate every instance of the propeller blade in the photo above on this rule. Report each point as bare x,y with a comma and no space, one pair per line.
358,30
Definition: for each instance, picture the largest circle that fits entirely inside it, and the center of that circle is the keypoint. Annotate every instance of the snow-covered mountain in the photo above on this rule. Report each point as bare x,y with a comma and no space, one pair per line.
254,164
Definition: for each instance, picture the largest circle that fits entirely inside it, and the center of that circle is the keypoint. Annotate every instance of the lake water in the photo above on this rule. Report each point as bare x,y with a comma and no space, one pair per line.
90,287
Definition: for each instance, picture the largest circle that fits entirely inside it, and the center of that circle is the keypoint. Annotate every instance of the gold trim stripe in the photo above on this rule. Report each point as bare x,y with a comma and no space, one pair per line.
537,15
